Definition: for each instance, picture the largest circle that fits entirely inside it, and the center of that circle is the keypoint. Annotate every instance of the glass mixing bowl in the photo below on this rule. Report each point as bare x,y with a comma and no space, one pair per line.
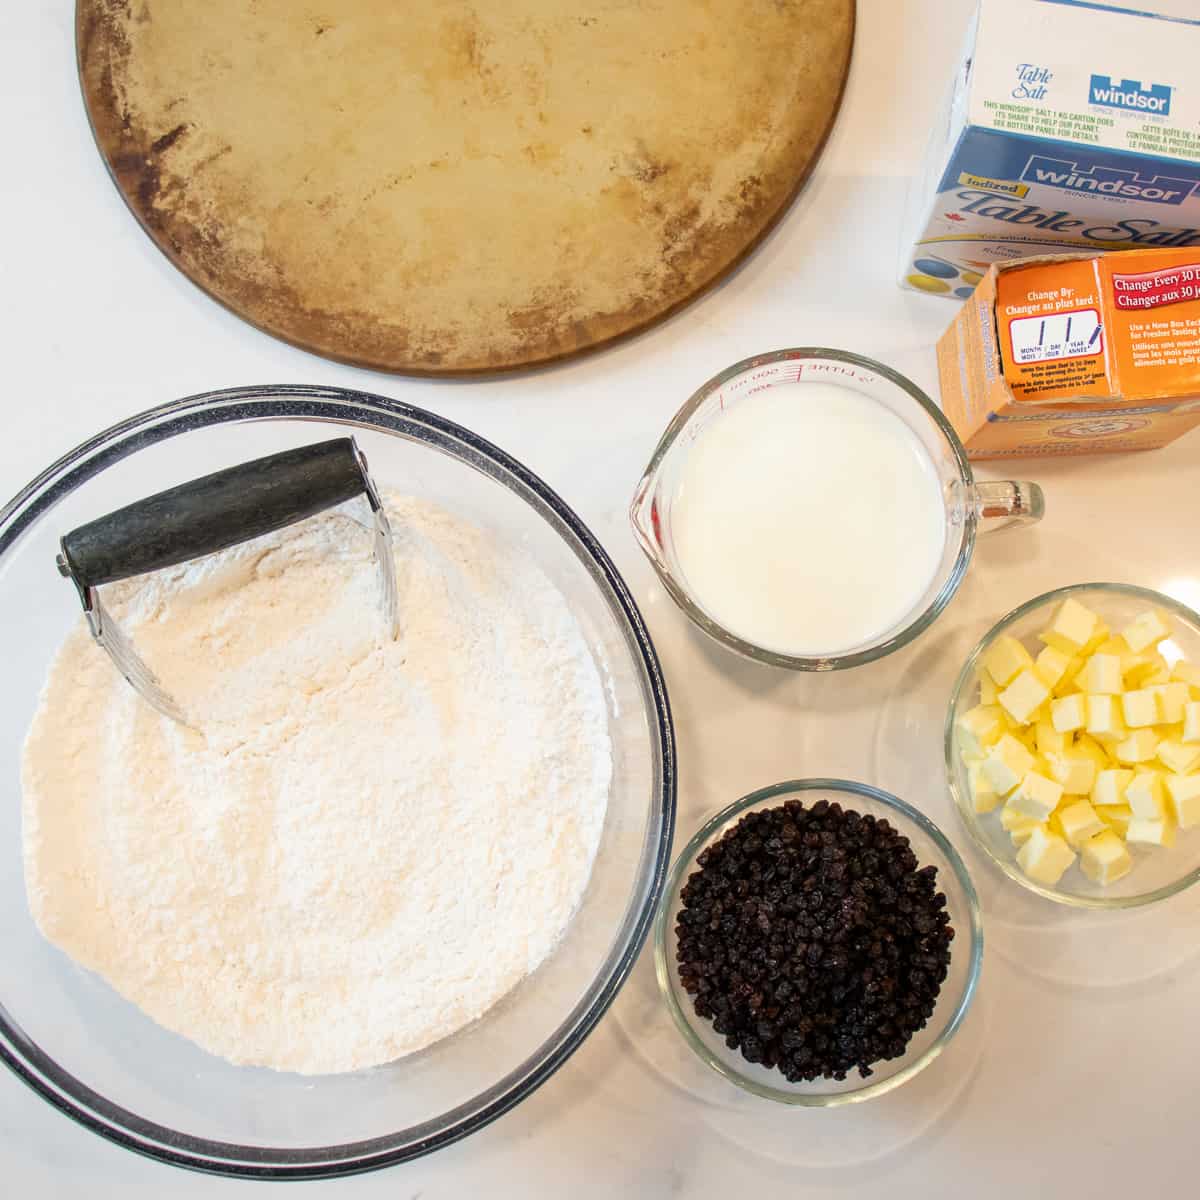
966,951
94,1055
1157,874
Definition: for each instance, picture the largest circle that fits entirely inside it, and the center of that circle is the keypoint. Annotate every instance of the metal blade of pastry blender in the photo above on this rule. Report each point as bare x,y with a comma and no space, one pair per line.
385,556
120,649
211,514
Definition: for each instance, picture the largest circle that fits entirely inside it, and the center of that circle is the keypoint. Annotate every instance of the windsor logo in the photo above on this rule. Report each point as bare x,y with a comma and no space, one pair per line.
1132,94
1106,181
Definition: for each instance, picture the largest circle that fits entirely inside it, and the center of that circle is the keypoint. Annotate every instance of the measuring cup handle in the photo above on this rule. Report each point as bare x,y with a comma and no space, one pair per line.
216,512
1001,505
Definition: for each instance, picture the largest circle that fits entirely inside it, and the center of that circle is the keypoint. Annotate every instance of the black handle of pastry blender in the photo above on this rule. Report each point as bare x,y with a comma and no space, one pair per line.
213,513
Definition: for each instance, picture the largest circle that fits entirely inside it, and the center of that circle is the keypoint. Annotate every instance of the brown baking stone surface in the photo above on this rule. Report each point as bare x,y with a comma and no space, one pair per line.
460,186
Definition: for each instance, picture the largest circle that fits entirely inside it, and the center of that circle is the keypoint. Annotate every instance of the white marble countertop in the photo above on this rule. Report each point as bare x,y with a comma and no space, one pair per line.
1074,1074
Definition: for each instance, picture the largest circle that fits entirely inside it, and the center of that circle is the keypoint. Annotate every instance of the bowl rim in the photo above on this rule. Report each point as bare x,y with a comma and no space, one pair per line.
300,402
966,680
685,862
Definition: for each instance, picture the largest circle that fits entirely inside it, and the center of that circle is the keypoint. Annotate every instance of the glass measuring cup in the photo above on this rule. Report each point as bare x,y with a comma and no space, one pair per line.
966,503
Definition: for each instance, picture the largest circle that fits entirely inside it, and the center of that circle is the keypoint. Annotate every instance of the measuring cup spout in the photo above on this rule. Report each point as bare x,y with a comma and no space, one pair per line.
645,518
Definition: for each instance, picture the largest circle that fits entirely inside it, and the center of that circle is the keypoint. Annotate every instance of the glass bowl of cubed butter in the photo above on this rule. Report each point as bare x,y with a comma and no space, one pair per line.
1073,745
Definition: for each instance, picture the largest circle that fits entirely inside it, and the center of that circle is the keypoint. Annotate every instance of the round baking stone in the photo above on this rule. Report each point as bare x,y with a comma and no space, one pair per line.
461,187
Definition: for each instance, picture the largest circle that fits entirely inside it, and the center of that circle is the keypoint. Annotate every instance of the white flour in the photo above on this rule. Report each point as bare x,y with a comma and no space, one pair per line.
370,842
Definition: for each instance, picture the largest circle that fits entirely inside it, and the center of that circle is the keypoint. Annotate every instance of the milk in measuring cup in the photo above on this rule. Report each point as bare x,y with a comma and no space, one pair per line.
809,520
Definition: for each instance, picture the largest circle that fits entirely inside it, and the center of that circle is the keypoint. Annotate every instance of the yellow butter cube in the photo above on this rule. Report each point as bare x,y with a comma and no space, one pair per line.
1191,723
1006,660
1151,833
1186,672
979,730
1102,675
984,797
1076,775
1140,708
1069,713
1172,701
1184,791
1104,859
1177,757
1024,696
1110,786
1070,677
1117,646
1148,630
1049,740
988,691
1017,825
1073,628
1136,666
1115,816
1129,661
1007,763
1079,821
1037,796
1051,665
1022,834
1045,857
1153,671
1139,747
1146,797
1104,716
1010,726
1090,748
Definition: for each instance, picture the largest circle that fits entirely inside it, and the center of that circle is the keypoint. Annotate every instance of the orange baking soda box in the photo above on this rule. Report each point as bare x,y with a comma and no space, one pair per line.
1072,354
